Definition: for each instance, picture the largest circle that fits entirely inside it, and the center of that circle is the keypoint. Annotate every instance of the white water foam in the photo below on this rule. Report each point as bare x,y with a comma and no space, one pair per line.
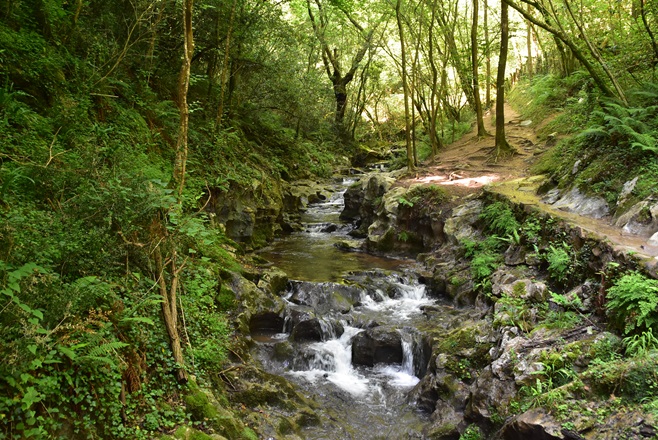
408,302
332,360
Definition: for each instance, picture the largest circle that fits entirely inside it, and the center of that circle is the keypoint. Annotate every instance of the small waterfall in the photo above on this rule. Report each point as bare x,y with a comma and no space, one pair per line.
328,329
407,354
332,360
287,324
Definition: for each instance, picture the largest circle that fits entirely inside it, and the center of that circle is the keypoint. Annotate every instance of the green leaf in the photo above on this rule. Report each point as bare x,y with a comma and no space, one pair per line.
141,319
32,349
67,352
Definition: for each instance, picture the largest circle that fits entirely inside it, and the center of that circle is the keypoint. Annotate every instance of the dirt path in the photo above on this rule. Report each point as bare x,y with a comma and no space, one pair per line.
468,164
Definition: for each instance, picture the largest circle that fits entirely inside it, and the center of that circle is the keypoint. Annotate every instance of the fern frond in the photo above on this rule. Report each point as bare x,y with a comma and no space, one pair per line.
105,349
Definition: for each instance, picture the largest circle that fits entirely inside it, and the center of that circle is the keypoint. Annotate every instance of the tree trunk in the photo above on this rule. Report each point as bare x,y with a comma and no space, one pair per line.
597,56
529,67
331,61
435,140
456,55
502,147
487,100
183,86
474,61
169,308
407,134
225,66
647,28
562,37
169,296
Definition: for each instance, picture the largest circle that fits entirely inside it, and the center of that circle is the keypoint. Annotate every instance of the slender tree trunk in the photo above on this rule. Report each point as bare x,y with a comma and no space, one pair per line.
529,67
487,100
562,37
475,72
435,140
410,156
502,147
169,308
597,56
225,68
169,295
456,55
645,22
183,86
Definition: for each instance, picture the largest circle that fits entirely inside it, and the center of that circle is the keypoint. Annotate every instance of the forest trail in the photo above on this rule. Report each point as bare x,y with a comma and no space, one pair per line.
468,165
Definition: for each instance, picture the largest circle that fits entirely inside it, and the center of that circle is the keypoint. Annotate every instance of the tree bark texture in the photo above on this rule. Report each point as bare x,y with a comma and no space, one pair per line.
502,147
475,72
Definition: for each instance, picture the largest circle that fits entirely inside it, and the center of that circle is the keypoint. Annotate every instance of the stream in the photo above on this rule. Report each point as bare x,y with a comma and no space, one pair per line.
349,338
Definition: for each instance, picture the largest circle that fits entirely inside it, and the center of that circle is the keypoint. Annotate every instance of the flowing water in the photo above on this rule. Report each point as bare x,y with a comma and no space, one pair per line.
311,254
362,391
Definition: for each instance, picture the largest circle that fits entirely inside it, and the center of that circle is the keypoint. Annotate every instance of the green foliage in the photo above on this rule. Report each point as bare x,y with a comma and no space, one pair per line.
632,302
626,127
547,94
427,199
472,432
500,219
485,258
560,261
640,344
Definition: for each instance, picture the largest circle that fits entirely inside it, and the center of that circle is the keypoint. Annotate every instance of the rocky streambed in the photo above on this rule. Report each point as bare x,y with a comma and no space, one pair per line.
498,329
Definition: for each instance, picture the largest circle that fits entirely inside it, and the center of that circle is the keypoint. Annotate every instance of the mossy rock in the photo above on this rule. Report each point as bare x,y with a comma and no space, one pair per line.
466,342
259,388
204,408
286,426
306,417
189,433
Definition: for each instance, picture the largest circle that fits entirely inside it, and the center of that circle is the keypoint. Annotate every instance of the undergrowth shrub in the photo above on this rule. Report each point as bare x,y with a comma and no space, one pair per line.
500,219
632,303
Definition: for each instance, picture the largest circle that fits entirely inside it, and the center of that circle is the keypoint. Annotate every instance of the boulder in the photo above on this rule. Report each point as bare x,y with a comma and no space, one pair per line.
315,330
490,395
461,224
534,424
325,297
579,203
377,345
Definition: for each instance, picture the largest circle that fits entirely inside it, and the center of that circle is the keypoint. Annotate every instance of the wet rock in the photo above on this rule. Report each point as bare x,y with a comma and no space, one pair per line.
324,297
447,424
461,224
376,345
329,228
515,255
266,322
203,407
348,245
251,214
363,198
626,191
640,218
298,195
533,424
253,301
490,395
577,202
274,281
315,330
653,241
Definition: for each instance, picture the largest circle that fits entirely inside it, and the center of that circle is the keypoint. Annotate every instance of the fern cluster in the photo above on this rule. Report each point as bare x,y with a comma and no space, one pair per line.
633,301
633,127
500,219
